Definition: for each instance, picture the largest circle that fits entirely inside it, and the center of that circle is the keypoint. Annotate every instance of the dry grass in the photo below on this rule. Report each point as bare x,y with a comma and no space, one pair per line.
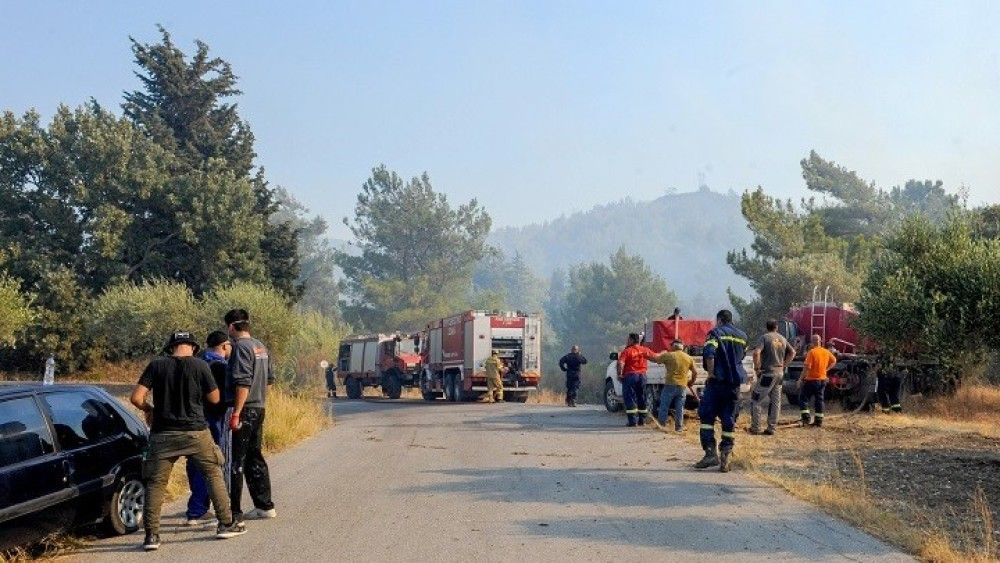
49,548
127,371
292,417
971,404
547,397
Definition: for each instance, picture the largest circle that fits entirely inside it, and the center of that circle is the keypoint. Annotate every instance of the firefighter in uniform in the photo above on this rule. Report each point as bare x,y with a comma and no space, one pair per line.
632,366
889,381
494,385
722,355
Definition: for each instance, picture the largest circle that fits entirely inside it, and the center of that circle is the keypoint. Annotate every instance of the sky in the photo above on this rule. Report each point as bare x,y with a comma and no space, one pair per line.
539,109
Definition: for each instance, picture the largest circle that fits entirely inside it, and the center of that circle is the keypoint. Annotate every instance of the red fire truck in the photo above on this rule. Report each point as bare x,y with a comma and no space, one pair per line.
389,361
455,348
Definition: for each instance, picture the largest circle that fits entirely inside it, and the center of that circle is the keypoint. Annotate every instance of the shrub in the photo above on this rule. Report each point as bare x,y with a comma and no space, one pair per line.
15,310
272,319
132,320
317,338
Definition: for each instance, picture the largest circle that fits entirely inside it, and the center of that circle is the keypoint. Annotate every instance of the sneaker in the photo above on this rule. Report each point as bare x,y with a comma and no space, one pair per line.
710,460
261,514
152,542
226,531
724,464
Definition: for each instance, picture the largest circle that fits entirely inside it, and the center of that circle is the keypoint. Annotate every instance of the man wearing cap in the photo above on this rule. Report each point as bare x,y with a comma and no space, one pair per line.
247,376
180,384
680,374
215,355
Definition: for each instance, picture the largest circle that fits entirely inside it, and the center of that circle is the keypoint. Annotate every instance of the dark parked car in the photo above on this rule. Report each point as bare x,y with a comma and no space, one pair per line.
69,455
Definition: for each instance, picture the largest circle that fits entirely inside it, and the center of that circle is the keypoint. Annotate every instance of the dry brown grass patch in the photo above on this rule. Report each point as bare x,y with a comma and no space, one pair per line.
971,403
547,397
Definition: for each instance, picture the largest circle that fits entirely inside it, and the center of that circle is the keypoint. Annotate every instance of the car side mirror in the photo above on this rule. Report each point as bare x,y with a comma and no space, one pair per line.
613,356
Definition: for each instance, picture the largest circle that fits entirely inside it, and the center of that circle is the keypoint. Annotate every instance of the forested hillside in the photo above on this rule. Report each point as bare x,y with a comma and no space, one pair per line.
684,237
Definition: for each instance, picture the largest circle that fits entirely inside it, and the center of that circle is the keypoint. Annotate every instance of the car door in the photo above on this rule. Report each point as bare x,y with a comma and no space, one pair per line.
90,440
34,486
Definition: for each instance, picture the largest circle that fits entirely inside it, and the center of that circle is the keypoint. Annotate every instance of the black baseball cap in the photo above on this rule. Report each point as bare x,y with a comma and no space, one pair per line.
181,337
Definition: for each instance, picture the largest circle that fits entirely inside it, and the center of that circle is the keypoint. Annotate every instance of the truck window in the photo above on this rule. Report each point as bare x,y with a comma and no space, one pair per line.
23,432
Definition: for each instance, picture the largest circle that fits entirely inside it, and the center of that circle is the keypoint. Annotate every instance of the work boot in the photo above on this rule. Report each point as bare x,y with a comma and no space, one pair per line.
805,420
769,432
724,462
755,431
711,459
818,423
642,421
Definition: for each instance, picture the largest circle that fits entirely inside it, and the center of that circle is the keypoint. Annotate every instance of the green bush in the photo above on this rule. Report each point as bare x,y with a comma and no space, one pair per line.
15,311
272,319
133,320
317,338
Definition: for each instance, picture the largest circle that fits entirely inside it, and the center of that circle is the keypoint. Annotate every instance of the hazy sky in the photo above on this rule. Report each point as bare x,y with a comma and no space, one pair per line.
544,107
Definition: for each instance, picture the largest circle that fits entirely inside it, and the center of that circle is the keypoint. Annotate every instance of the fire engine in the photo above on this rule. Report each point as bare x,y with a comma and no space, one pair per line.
389,361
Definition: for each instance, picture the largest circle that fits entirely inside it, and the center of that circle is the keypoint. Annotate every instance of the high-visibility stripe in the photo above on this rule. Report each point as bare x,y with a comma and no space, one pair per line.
708,427
897,406
642,411
631,411
819,415
729,434
886,409
804,411
711,342
736,339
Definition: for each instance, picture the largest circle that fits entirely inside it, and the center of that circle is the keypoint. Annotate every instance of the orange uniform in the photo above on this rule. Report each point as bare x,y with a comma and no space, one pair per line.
818,361
633,359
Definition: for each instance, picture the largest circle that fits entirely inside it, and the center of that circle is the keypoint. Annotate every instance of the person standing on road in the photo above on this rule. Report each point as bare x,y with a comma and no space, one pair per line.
770,356
812,385
494,384
331,381
570,364
723,355
180,384
680,374
216,354
247,377
632,367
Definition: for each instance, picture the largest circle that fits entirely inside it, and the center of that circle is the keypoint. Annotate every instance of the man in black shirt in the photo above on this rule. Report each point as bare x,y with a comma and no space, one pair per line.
216,354
180,384
570,363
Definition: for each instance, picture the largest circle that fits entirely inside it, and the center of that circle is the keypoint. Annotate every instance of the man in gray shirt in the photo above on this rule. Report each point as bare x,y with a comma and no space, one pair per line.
770,356
247,376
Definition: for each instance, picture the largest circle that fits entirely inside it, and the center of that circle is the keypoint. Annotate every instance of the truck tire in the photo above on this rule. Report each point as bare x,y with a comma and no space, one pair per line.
449,387
353,386
393,385
610,403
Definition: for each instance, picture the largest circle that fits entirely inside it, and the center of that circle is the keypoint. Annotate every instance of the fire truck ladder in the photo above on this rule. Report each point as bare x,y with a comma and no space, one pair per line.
818,317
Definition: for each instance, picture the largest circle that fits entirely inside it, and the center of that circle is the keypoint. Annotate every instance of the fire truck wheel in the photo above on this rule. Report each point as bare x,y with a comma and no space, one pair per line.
449,387
353,388
393,385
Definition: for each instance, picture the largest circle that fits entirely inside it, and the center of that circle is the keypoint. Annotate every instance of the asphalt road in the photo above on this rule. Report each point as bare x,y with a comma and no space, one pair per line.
414,481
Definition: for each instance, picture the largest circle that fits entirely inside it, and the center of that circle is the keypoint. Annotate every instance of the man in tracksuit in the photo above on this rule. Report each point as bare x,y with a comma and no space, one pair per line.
632,366
723,355
247,377
570,364
216,355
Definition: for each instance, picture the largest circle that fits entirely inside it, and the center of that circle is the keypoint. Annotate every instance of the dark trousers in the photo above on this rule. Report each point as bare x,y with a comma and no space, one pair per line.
246,460
812,391
634,394
719,401
198,501
572,387
889,386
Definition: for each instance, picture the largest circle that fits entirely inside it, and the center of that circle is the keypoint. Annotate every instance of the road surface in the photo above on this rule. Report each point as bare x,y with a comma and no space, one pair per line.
415,481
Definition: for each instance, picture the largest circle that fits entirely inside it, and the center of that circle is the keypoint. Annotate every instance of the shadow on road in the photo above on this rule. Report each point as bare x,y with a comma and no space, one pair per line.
804,539
617,487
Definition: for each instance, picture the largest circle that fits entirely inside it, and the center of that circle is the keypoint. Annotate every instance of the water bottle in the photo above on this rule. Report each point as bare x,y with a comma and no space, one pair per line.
50,371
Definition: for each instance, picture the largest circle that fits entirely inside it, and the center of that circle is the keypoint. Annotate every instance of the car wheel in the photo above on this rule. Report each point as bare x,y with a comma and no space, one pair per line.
610,402
124,511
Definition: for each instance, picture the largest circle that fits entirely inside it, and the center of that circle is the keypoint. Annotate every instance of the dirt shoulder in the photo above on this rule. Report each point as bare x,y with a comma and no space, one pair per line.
928,485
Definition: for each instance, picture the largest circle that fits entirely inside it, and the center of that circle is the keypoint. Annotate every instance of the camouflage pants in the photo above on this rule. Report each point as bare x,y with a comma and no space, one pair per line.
494,386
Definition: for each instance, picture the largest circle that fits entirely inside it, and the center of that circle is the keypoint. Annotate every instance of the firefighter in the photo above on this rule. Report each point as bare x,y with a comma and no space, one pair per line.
632,365
494,370
889,382
812,384
722,356
570,364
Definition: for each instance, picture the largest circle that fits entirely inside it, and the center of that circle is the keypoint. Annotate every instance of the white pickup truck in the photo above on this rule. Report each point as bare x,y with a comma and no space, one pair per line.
655,379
